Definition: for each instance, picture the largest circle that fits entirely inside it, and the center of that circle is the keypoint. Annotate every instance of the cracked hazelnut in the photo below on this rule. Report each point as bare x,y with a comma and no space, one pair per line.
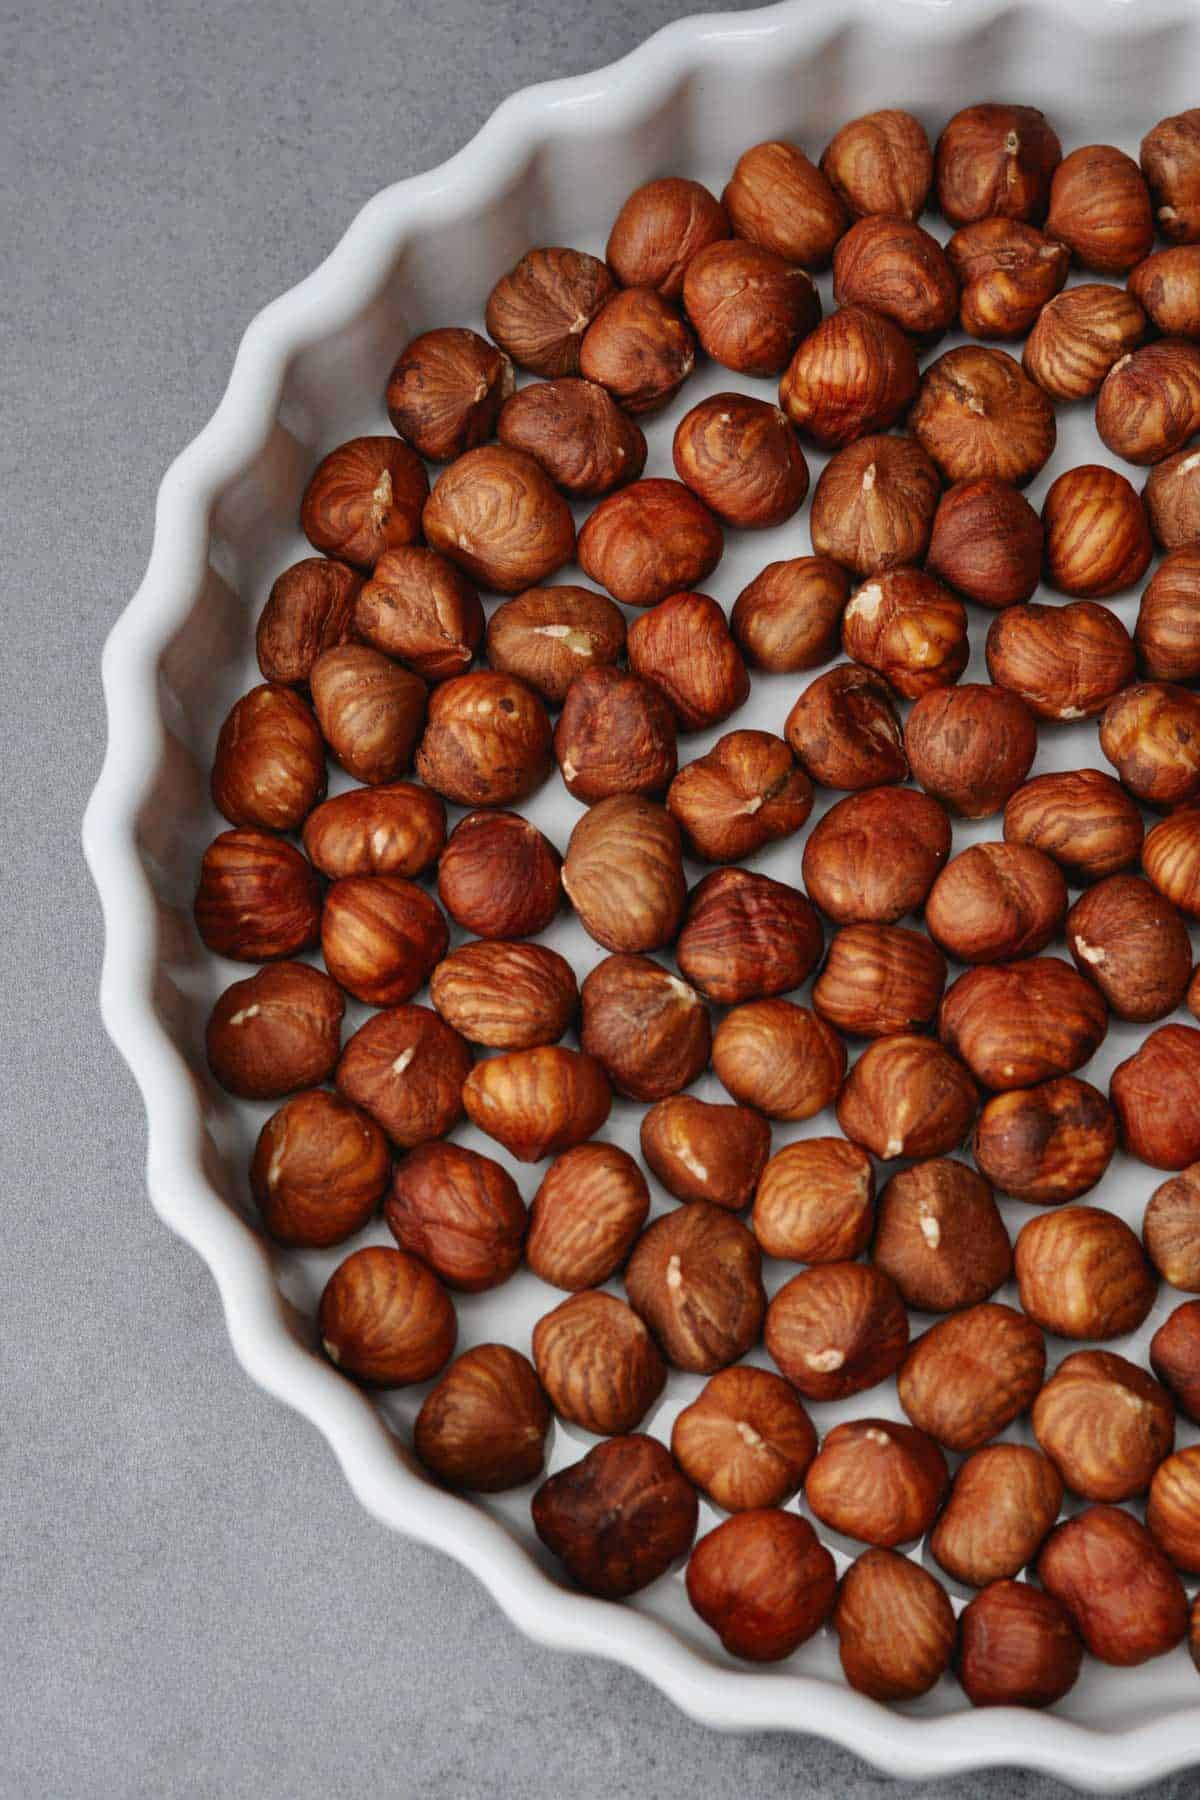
619,1518
978,416
1170,158
1171,1230
1149,404
703,1150
995,903
695,1277
1156,1092
745,794
598,1363
907,1096
1066,662
873,505
986,542
910,629
877,1481
586,1216
269,766
1082,819
506,996
895,1626
779,1058
778,198
1133,945
880,163
741,457
748,306
276,1031
652,539
537,1102
639,348
745,1441
445,391
486,741
548,636
396,829
855,373
257,898
837,1330
845,731
615,735
370,710
423,611
381,937
1002,1505
319,1170
892,266
649,1031
1120,1592
459,1212
1081,1273
310,608
540,310
496,514
1105,1425
406,1067
684,646
1100,208
658,231
365,497
1173,1508
940,1237
972,1374
1167,286
879,979
971,747
624,874
1171,858
1172,500
1079,336
582,439
763,1581
1048,1143
846,870
1017,1647
499,877
815,1202
1175,1357
1017,1023
748,937
1097,532
384,1319
483,1426
995,161
1008,271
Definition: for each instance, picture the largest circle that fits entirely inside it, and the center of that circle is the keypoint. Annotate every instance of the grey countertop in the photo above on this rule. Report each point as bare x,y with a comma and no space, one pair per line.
193,1604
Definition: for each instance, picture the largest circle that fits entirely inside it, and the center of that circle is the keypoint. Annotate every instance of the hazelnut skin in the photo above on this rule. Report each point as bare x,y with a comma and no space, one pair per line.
972,1374
778,199
538,1102
506,996
1066,662
499,877
1171,1230
1171,858
269,768
1105,1425
540,310
370,711
1097,533
1150,733
695,1277
971,747
995,903
837,1330
1003,1503
1048,1143
897,269
1017,1023
483,1426
845,731
745,794
1170,159
365,497
487,740
745,1441
1008,271
764,1582
1079,336
779,1058
276,1031
1133,945
257,898
615,735
873,505
815,1202
445,391
459,1212
406,1067
856,373
1149,403
879,979
877,1481
845,870
586,1216
940,1237
995,161
748,937
907,1096
575,430
385,1319
649,1031
652,539
381,937
703,1150
639,348
423,611
684,646
396,829
1167,286
1082,1273
977,415
548,636
624,873
1173,1508
986,542
741,457
1175,1357
658,231
1172,499
1083,820
597,1363
749,307
880,163
319,1170
310,608
497,515
1156,1092
1016,1647
910,629
619,1518
1100,208
895,1626
1120,1592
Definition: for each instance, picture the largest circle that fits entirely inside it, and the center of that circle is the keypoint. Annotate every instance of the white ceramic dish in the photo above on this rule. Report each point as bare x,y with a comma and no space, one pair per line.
552,167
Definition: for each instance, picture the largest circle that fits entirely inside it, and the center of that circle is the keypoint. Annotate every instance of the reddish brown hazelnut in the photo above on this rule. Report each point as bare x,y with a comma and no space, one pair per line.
745,1440
597,1363
583,440
310,608
1097,532
652,539
319,1170
940,1237
971,747
845,731
1149,404
381,937
499,877
978,416
507,996
618,1519
257,898
487,740
695,1276
790,616
995,903
846,871
1173,1508
1172,499
1002,1505
423,611
1150,733
548,636
742,458
1017,1647
779,199
880,163
877,1481
779,1058
540,310
1078,337
365,497
1167,285
702,1150
276,1031
659,229
748,306
459,1212
639,348
496,514
873,505
837,1330
1066,662
879,979
910,629
1175,1357
624,874
986,542
971,1374
1008,271
483,1426
1048,1143
746,793
586,1216
269,767
1133,945
370,711
1017,1023
1082,1273
396,829
1156,1092
895,1626
1105,1425
649,1031
445,391
815,1202
1171,858
537,1102
907,1096
894,267
1100,208
684,646
1122,1595
856,373
1170,159
1171,1230
615,735
748,937
1083,819
385,1320
406,1067
995,160
764,1582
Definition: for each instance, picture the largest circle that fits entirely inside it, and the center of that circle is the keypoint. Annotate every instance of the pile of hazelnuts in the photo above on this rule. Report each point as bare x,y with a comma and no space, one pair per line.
917,524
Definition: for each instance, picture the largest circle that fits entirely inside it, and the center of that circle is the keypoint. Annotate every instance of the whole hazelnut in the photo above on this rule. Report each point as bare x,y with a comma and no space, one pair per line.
978,416
814,1202
986,542
257,898
459,1212
365,497
278,1030
615,735
971,747
639,348
741,457
764,1582
880,163
907,1096
508,996
995,903
1167,286
1173,1508
745,1441
846,870
483,1426
895,1626
370,711
703,1150
845,731
1100,208
893,266
658,231
537,1102
598,1363
1048,1143
1002,1505
269,767
385,1319
877,1481
1171,858
745,794
381,937
548,636
649,1031
972,1374
1172,499
1017,1023
1066,662
1120,1592
423,611
790,616
1156,1092
779,1058
1134,946
1175,1357
1105,1425
995,161
1170,158
584,441
1082,819
684,646
1079,336
1082,1273
748,937
873,505
1097,532
652,539
1017,1647
748,306
879,979
586,1216
486,741
1008,271
499,877
310,608
1149,404
445,391
540,310
910,629
498,516
406,1068
619,1518
837,1330
778,198
1171,1230
856,373
624,873
695,1277
940,1237
319,1170
395,829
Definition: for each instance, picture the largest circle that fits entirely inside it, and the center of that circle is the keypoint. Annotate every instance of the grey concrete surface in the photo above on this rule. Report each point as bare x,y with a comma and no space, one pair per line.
191,1602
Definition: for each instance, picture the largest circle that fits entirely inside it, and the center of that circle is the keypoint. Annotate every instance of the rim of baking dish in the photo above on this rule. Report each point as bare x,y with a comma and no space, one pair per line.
179,1190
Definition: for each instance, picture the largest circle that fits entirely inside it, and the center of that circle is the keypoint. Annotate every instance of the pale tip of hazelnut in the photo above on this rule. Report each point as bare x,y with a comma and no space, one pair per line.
380,840
1070,712
247,1013
1121,361
381,495
1090,953
749,1436
1166,212
1012,144
975,405
674,1273
874,1435
1189,463
682,991
893,1147
868,478
866,602
931,1230
725,418
331,1350
823,1361
402,1061
568,774
463,541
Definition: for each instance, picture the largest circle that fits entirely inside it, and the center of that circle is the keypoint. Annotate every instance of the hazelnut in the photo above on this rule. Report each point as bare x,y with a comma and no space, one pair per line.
748,937
971,747
856,373
1171,1230
1066,662
381,937
1172,499
487,740
873,505
1016,1647
1120,1592
1100,208
814,1202
741,457
907,1096
1105,1425
1175,1357
877,1481
790,616
423,611
847,870
1097,532
496,514
683,645
779,199
538,1102
1002,1505
499,877
548,636
639,348
619,1518
586,1216
504,995
1082,1273
583,440
1149,403
764,1582
540,310
405,1067
365,497
749,307
1079,336
1082,819
1167,286
652,539
1046,1144
385,1319
972,1374
615,735
836,1330
1171,858
695,1276
597,1363
978,416
1156,1092
483,1426
779,1058
269,767
319,1170
1017,1023
445,391
745,794
746,1441
702,1150
310,608
1008,271
1133,944
459,1212
995,161
649,1031
395,829
893,266
278,1030
879,979
1173,1509
624,874
940,1237
257,898
910,629
995,903
370,711
658,231
1170,158
895,1626
880,163
845,731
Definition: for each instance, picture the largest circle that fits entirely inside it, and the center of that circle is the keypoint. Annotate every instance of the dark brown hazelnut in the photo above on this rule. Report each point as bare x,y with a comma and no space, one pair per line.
1170,158
257,898
538,1102
423,611
615,735
365,497
540,310
1008,271
1167,286
310,608
895,1626
837,1330
745,1440
764,1582
779,1058
487,740
381,937
1066,662
695,1276
746,793
1173,1508
1133,945
971,1374
1105,1425
977,416
1156,1092
586,1216
879,979
941,1238
1097,532
397,829
319,1170
497,515
1079,336
1082,1273
649,1031
748,306
583,440
1017,1023
483,1426
269,766
1083,819
779,199
995,903
459,1212
618,1519
910,629
873,505
856,373
659,229
971,747
1171,1230
1017,1647
1002,1505
1048,1143
499,877
1172,499
986,542
683,645
790,616
880,163
748,937
845,731
893,266
1175,1357
639,348
1121,1593
276,1031
995,161
652,539
1100,208
1171,858
702,1150
445,391
1149,404
506,996
385,1319
624,873
877,1481
370,711
548,636
598,1363
406,1068
907,1096
846,871
742,458
815,1202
